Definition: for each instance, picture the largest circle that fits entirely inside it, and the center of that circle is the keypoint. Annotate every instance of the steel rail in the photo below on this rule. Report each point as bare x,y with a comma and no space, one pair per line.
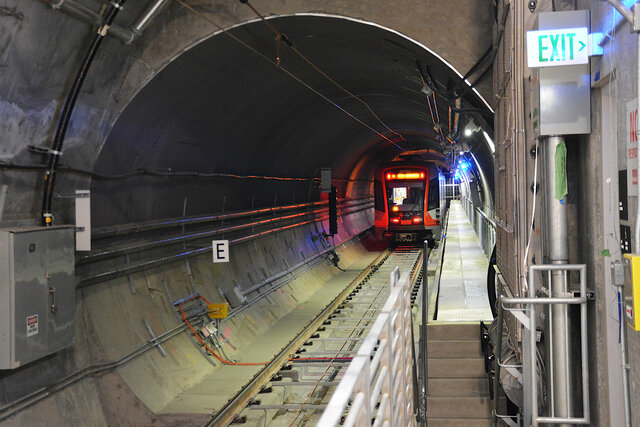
226,415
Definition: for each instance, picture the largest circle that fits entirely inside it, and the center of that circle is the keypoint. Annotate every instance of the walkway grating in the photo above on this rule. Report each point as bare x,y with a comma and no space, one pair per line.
463,290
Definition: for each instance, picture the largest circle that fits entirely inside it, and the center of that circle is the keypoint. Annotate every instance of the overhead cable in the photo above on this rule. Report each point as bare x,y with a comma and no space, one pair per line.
167,173
287,72
315,67
67,111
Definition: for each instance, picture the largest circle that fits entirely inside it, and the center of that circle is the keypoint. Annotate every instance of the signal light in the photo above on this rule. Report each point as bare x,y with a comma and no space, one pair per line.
333,212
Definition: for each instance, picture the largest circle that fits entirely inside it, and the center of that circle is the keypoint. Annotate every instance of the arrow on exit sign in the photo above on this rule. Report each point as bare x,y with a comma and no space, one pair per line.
552,48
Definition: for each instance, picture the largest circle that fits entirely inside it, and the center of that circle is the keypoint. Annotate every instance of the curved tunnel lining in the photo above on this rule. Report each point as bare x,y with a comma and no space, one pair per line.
305,14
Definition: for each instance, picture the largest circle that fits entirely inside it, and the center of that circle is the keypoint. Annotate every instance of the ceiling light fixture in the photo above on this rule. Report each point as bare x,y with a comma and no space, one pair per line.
470,128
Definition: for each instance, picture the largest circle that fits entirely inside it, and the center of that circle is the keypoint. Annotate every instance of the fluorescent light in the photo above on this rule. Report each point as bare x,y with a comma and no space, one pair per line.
489,141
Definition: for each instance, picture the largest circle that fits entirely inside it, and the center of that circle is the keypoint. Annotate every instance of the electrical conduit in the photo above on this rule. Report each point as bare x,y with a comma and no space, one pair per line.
67,111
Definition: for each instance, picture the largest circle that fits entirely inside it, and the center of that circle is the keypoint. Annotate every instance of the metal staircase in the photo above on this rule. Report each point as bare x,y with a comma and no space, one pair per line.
458,386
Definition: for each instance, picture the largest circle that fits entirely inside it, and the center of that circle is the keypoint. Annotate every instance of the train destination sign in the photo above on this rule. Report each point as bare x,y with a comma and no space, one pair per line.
552,48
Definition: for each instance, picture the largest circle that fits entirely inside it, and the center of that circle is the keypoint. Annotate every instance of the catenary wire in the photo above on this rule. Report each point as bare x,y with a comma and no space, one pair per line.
315,67
287,72
168,173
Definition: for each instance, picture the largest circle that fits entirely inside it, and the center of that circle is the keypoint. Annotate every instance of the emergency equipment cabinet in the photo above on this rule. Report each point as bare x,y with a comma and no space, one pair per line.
37,293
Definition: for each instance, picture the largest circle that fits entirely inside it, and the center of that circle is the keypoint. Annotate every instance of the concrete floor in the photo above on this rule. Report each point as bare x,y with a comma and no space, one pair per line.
463,281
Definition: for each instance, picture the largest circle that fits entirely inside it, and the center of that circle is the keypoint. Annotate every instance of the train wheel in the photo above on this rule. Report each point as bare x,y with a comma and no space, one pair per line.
492,290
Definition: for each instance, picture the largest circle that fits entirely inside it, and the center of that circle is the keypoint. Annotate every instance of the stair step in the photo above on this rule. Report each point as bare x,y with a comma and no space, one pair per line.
459,387
453,331
456,368
459,422
454,349
459,407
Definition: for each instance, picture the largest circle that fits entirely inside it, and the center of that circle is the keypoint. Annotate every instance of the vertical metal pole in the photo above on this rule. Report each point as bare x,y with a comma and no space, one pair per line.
497,351
424,357
623,357
558,246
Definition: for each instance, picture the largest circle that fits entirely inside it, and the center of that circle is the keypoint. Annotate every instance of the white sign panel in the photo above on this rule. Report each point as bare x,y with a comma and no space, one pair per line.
220,250
632,148
83,220
552,48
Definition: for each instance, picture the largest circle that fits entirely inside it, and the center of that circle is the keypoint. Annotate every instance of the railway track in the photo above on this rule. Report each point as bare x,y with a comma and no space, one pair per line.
295,388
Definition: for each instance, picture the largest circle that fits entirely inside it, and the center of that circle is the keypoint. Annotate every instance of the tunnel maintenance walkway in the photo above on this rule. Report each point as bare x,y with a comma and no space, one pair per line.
463,290
458,388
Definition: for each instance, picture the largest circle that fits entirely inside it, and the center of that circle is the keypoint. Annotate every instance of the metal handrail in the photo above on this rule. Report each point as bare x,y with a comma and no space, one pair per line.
487,240
481,212
382,371
529,357
424,345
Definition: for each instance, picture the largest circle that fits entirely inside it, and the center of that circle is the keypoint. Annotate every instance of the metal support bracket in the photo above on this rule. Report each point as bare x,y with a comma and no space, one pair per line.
44,150
509,420
513,371
519,314
635,10
153,337
71,195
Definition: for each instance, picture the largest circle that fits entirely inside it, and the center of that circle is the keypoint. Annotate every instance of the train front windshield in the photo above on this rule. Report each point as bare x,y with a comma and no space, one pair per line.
405,197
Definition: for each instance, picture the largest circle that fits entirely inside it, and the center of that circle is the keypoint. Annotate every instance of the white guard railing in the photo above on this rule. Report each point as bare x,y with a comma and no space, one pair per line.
484,226
382,370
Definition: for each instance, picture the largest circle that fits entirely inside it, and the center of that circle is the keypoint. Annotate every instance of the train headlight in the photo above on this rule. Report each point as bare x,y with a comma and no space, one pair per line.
395,208
417,220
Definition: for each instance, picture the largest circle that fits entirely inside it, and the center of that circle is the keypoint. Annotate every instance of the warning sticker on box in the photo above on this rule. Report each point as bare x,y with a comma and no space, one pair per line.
32,325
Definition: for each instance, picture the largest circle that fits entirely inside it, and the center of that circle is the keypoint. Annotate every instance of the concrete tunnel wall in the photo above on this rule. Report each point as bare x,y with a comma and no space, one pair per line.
31,93
40,55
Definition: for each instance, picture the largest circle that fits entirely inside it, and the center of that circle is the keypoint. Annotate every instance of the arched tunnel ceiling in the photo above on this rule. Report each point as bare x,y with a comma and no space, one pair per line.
219,107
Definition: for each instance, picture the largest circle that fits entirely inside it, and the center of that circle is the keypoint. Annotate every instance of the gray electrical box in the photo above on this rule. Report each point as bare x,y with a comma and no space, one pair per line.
37,293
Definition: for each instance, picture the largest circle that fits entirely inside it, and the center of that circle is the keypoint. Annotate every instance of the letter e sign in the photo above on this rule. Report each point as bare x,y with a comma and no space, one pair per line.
220,250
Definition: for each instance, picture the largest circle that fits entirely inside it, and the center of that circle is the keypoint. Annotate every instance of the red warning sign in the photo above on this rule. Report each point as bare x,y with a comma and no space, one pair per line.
32,325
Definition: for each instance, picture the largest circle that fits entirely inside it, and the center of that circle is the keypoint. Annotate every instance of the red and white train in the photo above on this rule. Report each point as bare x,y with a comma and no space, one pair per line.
409,200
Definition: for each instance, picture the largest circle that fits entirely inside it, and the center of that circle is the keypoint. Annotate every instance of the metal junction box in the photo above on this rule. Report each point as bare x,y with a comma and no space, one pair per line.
37,293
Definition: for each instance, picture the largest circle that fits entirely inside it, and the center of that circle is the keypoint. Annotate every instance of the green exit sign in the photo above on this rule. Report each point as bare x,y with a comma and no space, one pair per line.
552,48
